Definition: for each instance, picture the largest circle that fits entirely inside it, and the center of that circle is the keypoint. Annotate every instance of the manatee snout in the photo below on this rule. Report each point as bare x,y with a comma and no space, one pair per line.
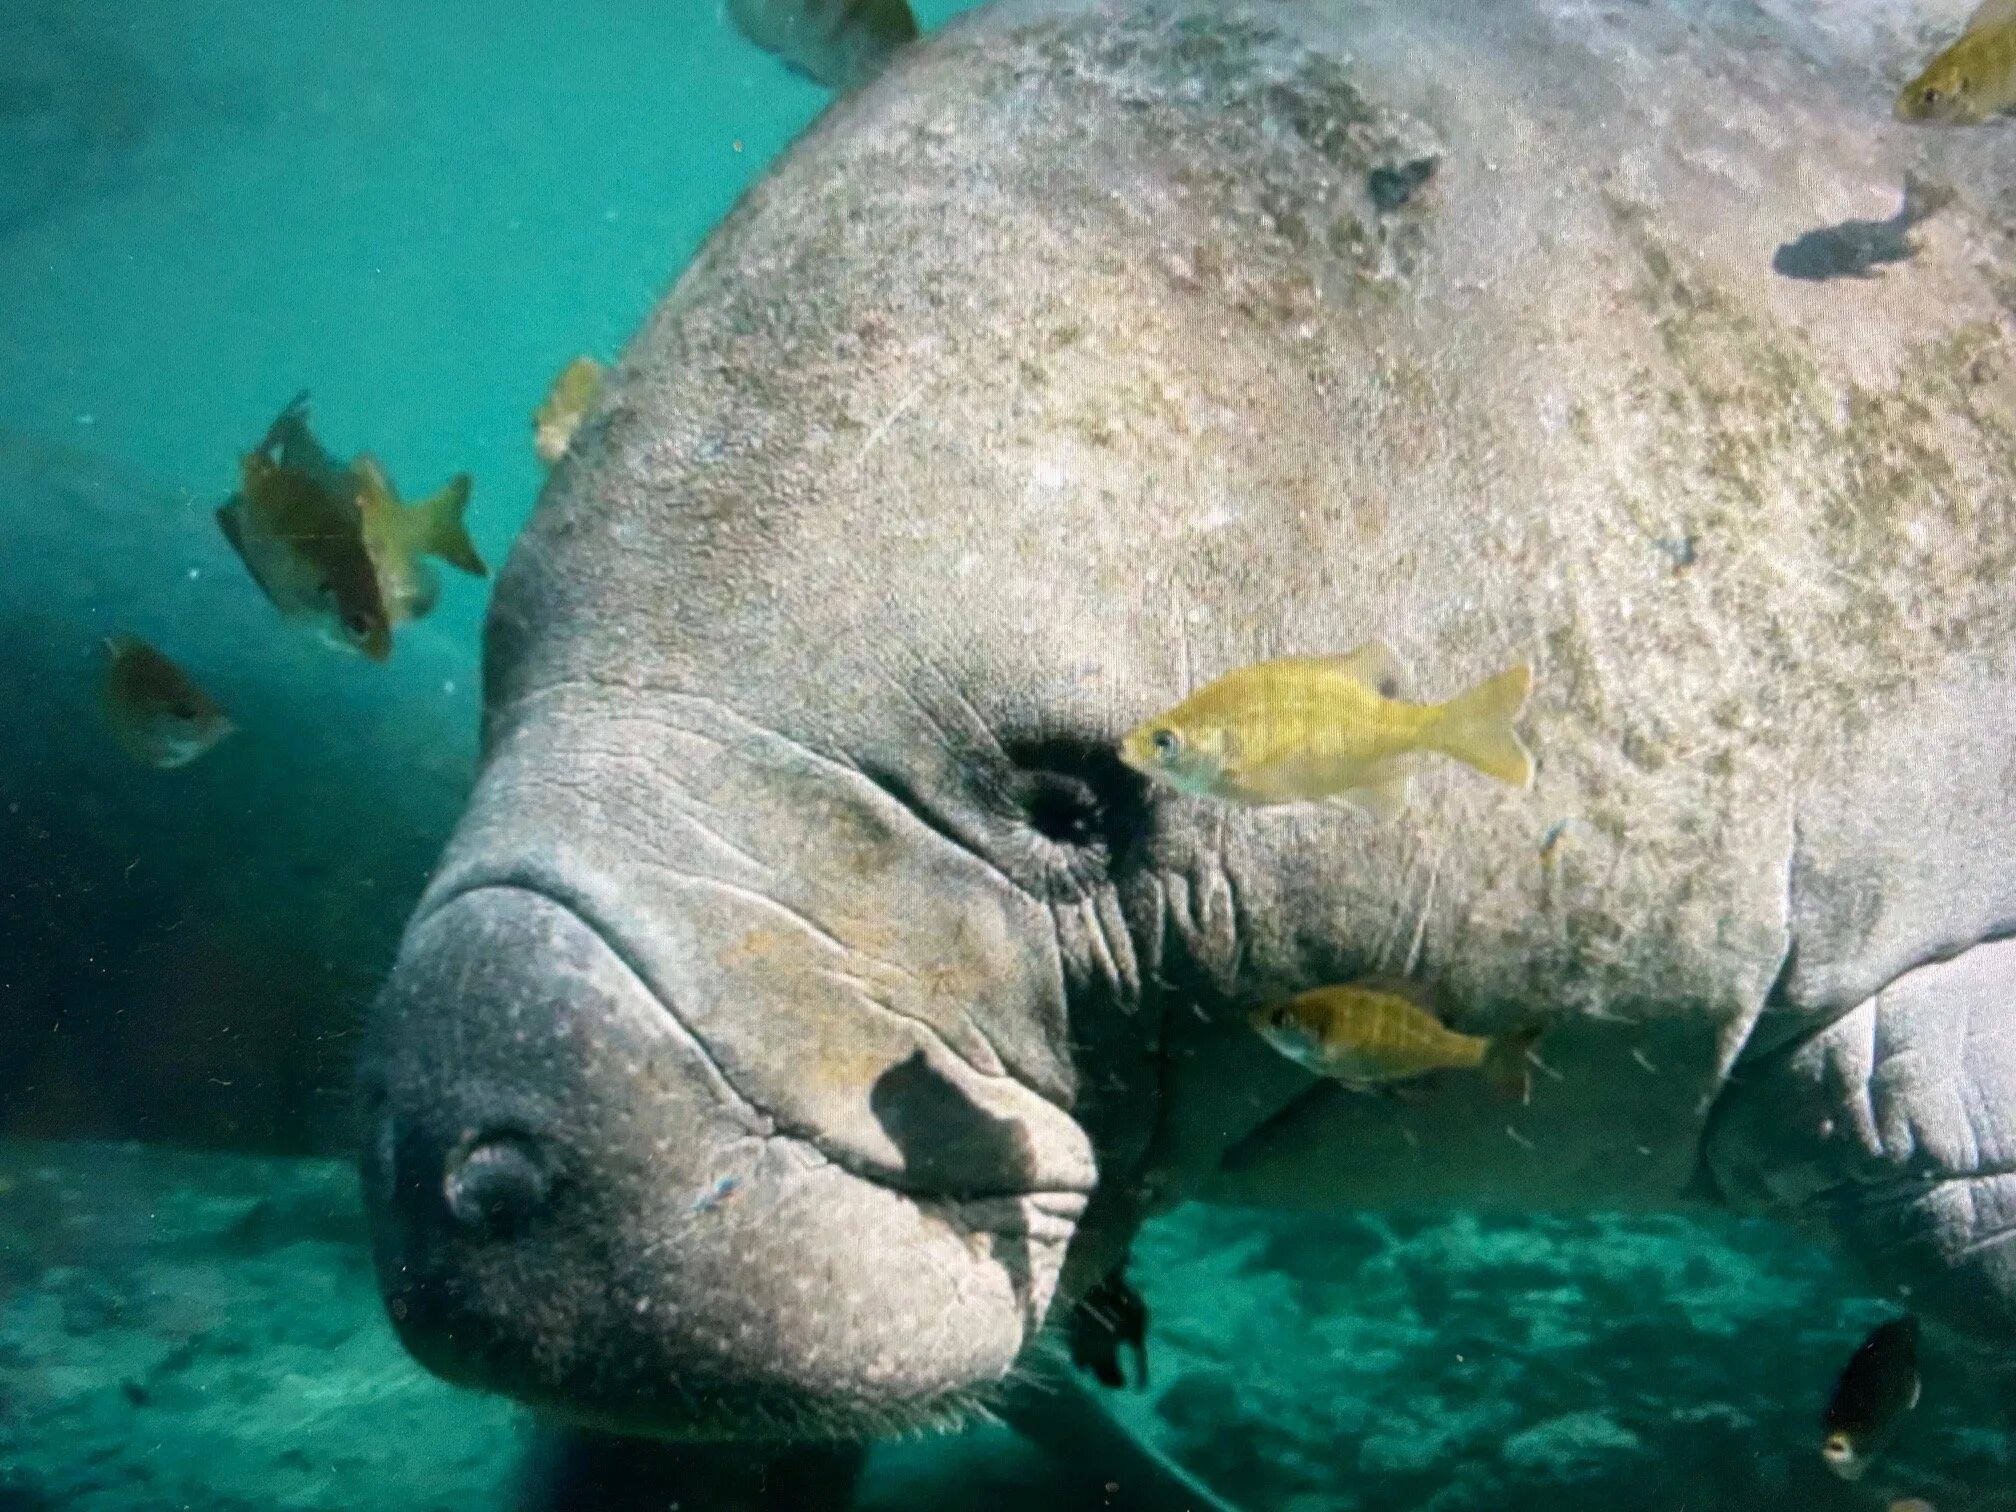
572,1205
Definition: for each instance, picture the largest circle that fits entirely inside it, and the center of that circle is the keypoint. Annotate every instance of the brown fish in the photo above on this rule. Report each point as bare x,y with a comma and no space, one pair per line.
1877,1387
155,710
1377,1031
1312,729
839,43
294,523
304,547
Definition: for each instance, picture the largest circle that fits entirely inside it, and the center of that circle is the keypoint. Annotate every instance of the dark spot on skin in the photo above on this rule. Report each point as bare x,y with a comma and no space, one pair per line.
1392,185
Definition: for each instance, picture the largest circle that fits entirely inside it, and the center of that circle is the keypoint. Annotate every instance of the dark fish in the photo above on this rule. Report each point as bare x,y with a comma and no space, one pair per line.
838,43
1111,1317
1879,1385
296,525
1856,248
156,711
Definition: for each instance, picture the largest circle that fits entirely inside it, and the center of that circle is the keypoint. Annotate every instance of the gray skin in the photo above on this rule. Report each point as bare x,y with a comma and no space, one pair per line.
1088,354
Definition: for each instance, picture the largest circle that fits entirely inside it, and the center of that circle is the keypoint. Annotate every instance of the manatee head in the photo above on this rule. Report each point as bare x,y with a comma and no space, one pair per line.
714,1091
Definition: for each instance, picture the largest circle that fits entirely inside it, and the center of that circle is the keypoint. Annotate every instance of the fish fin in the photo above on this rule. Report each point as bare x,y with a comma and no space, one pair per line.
1990,13
443,531
1384,799
1505,1064
1476,727
1376,665
227,521
292,419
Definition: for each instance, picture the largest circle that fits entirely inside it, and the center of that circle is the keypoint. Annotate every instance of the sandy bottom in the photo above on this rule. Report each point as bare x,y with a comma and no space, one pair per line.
196,1331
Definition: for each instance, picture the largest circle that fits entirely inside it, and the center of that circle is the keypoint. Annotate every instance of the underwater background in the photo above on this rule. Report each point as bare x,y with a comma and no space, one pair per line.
419,213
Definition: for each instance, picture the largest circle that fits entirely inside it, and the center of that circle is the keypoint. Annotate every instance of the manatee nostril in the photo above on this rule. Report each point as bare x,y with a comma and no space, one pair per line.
494,1182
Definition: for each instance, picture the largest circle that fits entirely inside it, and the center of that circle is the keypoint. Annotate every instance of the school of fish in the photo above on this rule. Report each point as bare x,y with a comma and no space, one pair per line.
333,548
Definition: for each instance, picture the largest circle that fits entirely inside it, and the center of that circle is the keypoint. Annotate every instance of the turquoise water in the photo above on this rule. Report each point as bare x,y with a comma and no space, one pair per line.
419,212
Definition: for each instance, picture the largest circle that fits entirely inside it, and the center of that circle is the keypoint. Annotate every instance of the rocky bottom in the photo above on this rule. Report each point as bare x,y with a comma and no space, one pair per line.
197,1331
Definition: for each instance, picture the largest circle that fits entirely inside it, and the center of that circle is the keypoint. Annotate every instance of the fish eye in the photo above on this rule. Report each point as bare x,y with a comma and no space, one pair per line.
1167,743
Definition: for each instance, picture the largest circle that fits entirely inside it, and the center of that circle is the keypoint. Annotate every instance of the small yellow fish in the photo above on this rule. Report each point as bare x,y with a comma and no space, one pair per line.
1971,81
398,537
560,413
1310,729
1377,1031
304,546
156,712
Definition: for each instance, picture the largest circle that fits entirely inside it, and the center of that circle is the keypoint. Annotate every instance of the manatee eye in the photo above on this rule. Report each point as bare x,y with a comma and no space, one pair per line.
1167,743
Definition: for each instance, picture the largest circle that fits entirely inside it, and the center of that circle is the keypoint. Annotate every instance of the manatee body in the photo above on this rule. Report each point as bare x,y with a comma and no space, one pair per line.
809,1003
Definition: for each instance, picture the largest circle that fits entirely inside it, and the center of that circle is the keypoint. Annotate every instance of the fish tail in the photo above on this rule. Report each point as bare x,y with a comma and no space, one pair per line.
443,532
1505,1063
1476,727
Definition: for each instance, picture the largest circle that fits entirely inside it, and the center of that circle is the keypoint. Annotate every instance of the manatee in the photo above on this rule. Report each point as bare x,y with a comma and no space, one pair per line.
809,1007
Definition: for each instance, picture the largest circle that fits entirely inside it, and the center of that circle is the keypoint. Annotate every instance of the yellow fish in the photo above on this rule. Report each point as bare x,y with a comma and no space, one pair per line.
1377,1031
398,537
1973,79
156,712
1310,729
560,413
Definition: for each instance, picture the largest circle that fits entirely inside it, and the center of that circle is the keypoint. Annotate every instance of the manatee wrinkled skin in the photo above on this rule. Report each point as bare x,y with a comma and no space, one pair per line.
809,1003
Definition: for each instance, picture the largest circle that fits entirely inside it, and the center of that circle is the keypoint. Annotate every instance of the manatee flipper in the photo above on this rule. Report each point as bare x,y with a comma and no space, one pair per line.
568,1470
1892,1131
1055,1411
838,43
